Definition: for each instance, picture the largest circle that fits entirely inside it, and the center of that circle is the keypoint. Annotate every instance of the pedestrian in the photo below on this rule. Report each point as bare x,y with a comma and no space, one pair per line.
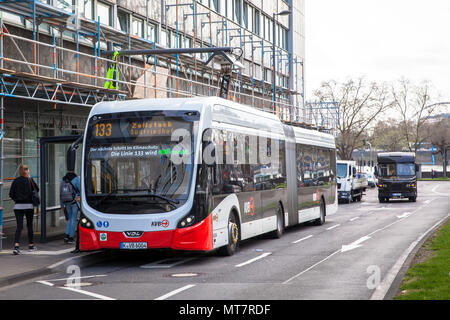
21,193
69,198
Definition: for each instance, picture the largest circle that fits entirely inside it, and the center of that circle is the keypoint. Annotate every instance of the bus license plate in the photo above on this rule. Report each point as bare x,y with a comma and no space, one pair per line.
133,245
396,194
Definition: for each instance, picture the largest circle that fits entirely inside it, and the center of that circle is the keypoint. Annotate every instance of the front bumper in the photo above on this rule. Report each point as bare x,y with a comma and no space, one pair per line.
198,237
398,195
344,195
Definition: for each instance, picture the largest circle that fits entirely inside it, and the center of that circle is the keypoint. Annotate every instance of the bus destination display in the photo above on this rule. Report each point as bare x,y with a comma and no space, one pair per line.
133,128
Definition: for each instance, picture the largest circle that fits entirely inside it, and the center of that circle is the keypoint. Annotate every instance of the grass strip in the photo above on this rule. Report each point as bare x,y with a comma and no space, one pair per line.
429,276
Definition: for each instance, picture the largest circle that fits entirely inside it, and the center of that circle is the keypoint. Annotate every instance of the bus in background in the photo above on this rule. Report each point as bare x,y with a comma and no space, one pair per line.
397,176
198,174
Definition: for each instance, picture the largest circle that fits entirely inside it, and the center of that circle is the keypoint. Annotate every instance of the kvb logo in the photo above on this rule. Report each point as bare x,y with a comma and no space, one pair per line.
164,223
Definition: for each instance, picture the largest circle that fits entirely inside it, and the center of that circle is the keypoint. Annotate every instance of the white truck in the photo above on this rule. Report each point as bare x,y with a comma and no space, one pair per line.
351,183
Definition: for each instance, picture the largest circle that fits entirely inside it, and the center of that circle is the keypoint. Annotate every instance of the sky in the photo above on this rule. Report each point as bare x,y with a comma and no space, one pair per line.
382,40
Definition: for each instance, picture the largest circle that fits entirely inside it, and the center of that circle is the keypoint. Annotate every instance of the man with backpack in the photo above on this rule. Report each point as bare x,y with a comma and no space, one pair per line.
69,194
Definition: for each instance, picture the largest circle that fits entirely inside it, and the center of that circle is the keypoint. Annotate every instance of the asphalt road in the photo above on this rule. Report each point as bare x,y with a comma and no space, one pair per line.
355,255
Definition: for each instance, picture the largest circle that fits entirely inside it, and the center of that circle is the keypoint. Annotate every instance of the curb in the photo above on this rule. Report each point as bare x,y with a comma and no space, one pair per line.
397,282
83,260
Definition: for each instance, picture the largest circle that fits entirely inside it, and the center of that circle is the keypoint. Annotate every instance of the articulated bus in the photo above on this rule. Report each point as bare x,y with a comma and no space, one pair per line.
198,174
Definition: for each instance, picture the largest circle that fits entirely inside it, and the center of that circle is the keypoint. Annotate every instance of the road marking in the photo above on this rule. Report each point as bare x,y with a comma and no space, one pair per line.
253,260
46,283
91,294
306,270
305,238
438,193
353,219
381,291
338,251
355,244
404,215
174,292
48,253
331,228
57,264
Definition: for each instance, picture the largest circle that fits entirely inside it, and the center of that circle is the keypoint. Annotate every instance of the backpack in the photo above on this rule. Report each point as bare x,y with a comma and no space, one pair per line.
67,191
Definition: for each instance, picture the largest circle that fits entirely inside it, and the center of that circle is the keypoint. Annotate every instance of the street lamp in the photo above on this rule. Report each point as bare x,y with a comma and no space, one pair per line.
282,13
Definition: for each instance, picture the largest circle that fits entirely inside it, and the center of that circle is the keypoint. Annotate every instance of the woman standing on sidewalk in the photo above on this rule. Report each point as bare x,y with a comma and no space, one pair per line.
22,193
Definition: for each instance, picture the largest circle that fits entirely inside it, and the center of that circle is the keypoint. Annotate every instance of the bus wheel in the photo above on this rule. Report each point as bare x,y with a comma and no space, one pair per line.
320,221
280,224
233,237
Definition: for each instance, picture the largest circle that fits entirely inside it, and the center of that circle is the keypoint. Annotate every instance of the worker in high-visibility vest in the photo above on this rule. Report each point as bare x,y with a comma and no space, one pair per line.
113,74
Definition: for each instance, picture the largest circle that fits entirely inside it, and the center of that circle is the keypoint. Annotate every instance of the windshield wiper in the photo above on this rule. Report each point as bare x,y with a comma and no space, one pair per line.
169,200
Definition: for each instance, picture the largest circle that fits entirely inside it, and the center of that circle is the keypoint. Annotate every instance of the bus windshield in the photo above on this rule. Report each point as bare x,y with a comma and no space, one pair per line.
139,163
396,169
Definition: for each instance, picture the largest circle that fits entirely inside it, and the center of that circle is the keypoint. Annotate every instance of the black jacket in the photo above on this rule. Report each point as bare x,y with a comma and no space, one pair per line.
21,190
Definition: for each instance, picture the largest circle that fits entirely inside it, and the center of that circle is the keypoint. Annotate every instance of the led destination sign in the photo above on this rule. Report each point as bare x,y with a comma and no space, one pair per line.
133,128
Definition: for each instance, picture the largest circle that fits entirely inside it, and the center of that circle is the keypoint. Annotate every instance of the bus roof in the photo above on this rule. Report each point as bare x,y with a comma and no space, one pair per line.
222,110
396,157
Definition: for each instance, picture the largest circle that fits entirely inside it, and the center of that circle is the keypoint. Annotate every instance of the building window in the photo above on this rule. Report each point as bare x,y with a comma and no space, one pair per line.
138,27
86,8
256,22
104,11
123,21
284,38
215,5
152,32
65,5
245,15
237,11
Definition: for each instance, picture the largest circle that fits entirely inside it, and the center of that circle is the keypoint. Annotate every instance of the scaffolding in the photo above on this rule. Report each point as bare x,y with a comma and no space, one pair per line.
27,75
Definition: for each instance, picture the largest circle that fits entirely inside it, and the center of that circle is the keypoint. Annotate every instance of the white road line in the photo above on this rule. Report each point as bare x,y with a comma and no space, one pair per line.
253,260
353,219
172,293
306,270
404,215
331,228
46,283
91,294
382,289
68,259
49,253
305,238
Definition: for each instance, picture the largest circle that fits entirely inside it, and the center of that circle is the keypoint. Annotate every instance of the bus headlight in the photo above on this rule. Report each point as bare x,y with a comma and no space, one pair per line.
411,185
187,221
382,186
86,223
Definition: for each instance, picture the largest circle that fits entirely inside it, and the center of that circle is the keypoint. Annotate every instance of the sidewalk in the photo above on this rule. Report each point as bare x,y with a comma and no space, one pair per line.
49,257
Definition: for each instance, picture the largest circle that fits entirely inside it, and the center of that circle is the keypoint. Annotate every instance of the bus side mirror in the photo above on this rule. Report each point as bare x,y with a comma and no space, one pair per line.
354,172
417,168
375,172
71,155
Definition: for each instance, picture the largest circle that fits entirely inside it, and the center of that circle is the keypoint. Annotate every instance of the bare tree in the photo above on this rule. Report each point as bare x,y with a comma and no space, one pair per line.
387,136
360,103
440,138
413,102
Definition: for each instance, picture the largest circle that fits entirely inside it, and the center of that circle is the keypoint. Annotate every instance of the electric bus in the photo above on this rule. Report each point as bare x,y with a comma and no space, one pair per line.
198,174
